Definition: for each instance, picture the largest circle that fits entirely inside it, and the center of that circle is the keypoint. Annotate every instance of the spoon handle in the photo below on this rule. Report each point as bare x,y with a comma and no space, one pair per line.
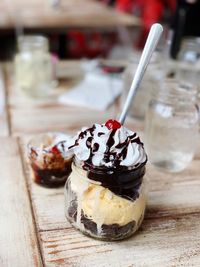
150,45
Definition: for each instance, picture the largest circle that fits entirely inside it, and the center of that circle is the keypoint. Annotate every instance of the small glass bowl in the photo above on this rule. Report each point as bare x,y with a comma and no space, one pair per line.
50,159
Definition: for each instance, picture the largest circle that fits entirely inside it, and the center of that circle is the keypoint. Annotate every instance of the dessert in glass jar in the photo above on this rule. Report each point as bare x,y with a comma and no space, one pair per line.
104,194
50,159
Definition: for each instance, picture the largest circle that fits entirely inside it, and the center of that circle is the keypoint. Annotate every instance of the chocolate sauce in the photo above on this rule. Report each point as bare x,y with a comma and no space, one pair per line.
122,182
119,179
109,156
100,134
51,177
82,135
111,140
33,152
95,147
109,144
137,140
89,141
62,145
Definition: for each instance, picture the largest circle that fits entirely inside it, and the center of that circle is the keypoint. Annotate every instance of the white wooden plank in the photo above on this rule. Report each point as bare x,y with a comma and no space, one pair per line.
18,242
162,242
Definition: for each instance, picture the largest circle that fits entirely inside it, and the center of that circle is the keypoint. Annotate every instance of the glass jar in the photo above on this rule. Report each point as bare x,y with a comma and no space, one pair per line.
49,159
151,79
190,50
188,61
171,129
105,203
33,66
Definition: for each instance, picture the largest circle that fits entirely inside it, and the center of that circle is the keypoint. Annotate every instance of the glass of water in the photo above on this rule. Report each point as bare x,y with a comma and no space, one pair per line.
171,126
33,66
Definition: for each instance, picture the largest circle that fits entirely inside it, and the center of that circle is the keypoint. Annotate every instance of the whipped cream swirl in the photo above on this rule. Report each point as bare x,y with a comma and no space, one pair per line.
111,148
62,142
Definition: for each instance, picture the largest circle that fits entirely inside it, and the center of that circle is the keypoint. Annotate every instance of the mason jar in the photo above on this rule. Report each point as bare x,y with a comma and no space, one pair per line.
104,203
188,61
33,66
171,128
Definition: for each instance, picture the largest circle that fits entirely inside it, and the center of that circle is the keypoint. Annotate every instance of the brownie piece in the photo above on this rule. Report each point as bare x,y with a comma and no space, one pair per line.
111,231
51,177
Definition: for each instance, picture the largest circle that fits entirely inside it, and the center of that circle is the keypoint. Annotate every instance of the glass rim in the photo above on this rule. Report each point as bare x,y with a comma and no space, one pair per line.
103,168
173,89
119,184
33,41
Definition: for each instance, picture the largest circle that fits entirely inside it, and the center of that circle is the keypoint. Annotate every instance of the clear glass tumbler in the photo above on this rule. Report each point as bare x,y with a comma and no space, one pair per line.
171,130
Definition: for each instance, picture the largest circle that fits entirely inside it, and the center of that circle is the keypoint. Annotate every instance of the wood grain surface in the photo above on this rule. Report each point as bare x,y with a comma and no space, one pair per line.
18,239
36,14
159,242
168,237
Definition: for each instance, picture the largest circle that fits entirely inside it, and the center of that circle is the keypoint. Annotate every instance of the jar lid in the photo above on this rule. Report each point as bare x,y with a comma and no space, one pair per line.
173,90
32,42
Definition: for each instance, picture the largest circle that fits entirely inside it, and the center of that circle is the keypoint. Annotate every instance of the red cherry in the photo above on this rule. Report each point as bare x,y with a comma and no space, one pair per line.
55,150
113,125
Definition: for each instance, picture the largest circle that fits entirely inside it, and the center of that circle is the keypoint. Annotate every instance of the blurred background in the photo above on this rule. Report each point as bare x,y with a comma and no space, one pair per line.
69,55
82,29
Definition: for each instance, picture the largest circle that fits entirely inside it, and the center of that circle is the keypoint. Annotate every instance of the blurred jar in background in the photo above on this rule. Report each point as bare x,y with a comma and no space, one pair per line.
188,62
151,79
33,66
171,129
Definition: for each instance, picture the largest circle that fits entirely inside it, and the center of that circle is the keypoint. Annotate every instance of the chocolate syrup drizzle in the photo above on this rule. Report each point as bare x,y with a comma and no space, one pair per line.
119,179
113,157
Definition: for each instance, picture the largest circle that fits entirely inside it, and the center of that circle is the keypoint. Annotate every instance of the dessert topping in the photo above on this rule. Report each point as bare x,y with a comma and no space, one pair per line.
110,145
113,125
55,150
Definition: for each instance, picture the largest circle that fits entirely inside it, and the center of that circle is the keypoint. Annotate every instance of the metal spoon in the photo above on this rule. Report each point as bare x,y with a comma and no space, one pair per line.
150,45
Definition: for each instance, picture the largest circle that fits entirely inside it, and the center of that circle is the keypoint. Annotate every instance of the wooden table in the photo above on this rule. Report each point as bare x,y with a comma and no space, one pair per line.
33,228
37,14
